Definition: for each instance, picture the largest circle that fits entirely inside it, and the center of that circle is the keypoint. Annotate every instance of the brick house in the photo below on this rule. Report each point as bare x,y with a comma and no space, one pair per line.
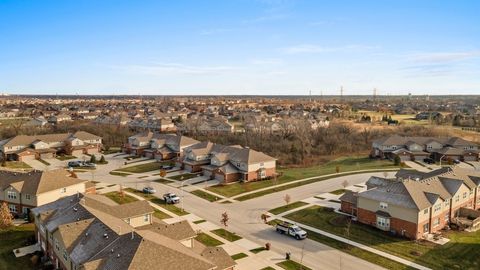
418,148
228,163
23,147
415,204
93,232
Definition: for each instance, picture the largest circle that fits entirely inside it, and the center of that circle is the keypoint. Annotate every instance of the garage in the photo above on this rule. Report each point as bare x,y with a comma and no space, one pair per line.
470,156
46,155
27,157
188,168
220,177
77,152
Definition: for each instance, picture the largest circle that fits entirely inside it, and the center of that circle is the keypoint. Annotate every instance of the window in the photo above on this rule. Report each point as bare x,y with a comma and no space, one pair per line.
11,195
383,205
65,255
465,195
12,208
128,220
27,196
145,218
438,207
383,222
425,211
447,203
42,228
57,246
457,198
63,190
471,192
436,222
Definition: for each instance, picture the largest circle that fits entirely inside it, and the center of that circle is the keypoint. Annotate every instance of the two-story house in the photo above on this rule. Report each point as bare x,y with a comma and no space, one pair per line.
23,147
93,232
415,204
419,148
24,191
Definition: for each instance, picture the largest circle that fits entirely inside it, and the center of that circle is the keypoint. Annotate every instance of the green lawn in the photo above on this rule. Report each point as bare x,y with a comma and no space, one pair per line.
119,173
118,198
286,208
160,215
239,256
183,177
462,252
345,164
17,165
11,239
199,221
258,250
163,181
205,195
207,240
141,168
65,157
226,235
338,191
292,265
160,202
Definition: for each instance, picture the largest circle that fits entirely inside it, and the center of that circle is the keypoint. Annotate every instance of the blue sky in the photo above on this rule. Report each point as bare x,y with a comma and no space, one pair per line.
239,47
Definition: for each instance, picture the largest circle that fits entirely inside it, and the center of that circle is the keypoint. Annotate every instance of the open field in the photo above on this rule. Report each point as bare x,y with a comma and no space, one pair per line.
345,164
462,252
286,208
226,235
204,195
183,177
207,240
119,198
146,167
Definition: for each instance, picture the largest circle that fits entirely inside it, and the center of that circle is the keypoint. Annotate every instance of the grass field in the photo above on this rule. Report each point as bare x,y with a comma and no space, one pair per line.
292,265
119,173
205,195
207,240
338,191
160,215
118,198
183,177
141,168
239,256
290,174
11,239
226,235
462,252
160,202
17,165
286,208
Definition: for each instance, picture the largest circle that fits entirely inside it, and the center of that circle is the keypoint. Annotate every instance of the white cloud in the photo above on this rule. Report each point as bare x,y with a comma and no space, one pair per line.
442,57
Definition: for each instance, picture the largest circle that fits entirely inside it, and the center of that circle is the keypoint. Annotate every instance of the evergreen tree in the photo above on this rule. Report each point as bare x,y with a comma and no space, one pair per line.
93,159
102,159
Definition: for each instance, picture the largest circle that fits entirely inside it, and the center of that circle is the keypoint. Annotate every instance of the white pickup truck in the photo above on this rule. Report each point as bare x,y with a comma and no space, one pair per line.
171,198
291,230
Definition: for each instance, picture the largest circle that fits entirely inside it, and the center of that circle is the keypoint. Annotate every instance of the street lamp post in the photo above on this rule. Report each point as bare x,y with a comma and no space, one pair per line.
441,160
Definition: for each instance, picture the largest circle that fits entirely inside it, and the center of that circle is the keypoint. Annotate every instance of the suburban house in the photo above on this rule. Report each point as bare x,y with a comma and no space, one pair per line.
158,146
227,163
418,148
92,232
418,204
24,191
24,147
59,118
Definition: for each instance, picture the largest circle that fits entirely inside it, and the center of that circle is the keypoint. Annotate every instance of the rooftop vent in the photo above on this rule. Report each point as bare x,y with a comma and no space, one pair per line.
118,255
105,235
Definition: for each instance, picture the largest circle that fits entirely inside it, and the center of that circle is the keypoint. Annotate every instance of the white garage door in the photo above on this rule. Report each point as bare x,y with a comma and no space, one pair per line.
29,157
219,177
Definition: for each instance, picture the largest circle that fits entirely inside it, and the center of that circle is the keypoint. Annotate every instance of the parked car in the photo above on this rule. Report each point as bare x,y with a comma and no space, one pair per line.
291,230
456,161
89,165
149,190
75,163
171,198
428,161
167,167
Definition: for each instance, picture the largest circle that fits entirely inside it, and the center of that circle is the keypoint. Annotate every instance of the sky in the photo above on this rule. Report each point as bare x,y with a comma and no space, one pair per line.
239,47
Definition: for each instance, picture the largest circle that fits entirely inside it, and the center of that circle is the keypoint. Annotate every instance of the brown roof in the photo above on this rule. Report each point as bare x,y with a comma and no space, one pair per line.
179,230
37,182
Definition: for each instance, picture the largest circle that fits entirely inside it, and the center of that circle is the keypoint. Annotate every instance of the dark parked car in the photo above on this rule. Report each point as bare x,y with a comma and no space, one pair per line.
456,161
167,167
429,161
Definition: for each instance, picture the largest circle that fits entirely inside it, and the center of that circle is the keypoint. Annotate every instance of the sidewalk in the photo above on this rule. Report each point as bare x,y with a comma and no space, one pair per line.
309,178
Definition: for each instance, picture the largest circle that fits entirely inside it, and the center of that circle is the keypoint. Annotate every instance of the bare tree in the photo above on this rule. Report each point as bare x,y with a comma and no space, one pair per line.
345,184
6,218
225,219
287,199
